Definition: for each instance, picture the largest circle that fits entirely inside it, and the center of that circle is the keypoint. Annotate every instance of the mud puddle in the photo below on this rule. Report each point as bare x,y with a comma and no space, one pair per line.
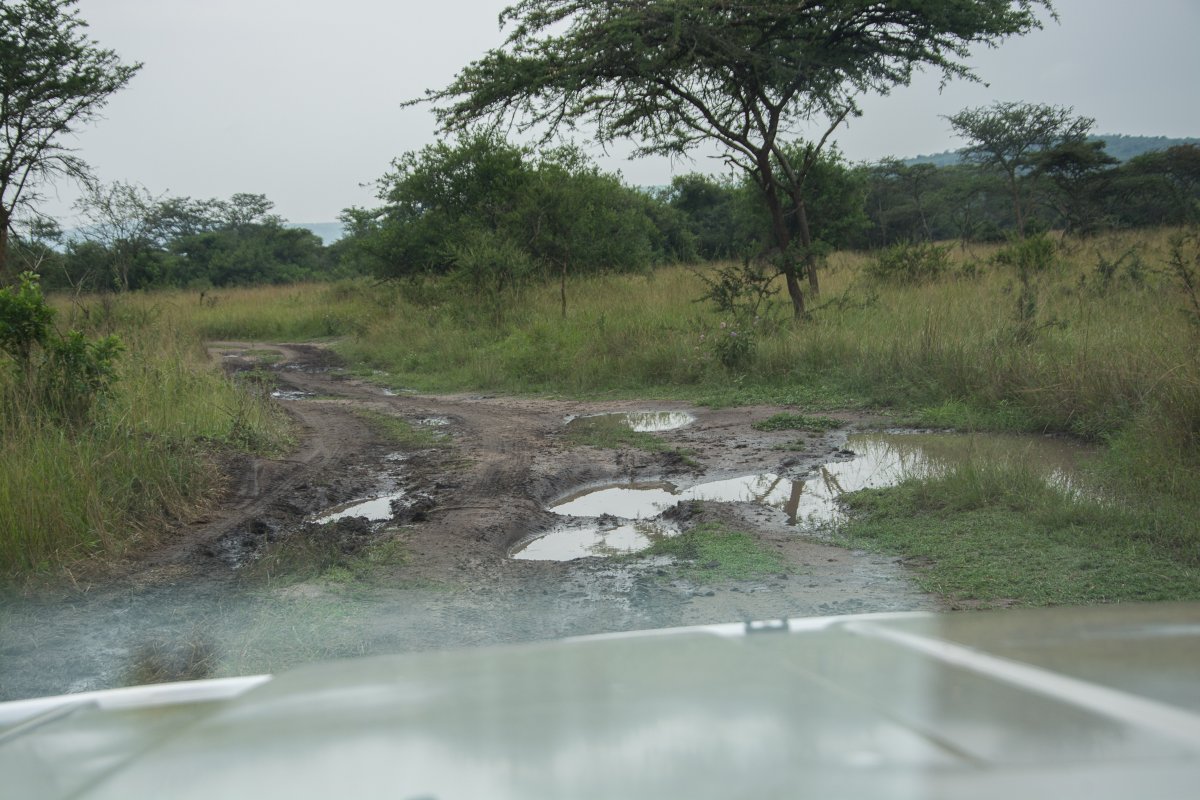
291,394
374,509
810,501
638,421
568,542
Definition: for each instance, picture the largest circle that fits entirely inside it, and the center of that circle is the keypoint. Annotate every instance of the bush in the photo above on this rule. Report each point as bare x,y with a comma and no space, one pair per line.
1033,254
910,263
734,346
59,376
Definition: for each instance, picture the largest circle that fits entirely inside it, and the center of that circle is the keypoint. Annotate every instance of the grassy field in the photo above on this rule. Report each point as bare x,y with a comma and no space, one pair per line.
1096,340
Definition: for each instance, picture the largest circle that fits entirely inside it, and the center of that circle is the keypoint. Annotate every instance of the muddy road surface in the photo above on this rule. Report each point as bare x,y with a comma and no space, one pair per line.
267,582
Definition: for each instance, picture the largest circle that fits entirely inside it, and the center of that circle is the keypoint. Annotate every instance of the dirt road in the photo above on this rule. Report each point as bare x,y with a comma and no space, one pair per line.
204,604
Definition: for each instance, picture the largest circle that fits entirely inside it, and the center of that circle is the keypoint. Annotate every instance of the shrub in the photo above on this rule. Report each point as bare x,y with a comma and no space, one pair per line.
59,376
910,263
1033,254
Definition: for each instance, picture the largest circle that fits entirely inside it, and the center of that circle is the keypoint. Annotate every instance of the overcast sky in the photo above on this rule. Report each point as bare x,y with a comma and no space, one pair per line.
299,99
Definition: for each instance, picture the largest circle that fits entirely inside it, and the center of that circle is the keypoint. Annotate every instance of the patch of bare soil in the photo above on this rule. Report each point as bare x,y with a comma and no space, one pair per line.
448,581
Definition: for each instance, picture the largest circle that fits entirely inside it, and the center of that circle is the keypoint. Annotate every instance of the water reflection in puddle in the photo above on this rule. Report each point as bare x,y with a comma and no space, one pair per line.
880,460
578,541
291,394
375,509
642,421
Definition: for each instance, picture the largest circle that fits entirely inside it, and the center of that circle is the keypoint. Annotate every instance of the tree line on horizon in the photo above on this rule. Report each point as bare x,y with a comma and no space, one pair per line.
492,214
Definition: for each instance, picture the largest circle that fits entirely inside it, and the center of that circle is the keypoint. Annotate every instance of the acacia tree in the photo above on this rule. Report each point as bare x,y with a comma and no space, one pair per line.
1080,171
1006,137
746,74
53,79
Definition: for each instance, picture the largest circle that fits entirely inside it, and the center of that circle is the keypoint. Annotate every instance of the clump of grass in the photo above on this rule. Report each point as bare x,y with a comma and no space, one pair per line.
263,356
797,422
712,553
190,658
345,552
404,433
998,533
611,432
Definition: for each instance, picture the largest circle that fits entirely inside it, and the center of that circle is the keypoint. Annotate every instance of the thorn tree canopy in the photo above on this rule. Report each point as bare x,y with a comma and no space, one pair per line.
671,74
53,79
1007,136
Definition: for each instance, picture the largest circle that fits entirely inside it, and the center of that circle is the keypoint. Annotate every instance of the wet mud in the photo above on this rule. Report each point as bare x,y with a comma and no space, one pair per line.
436,541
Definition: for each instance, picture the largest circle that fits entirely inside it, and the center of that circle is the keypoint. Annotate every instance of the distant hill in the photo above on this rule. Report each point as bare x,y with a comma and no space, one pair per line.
329,232
1117,145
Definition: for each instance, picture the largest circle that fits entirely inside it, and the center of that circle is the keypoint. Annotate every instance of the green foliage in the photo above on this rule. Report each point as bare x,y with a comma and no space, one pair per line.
496,216
710,210
25,319
1029,256
998,533
910,264
133,240
76,373
741,290
491,267
671,77
55,80
734,344
797,422
123,470
1184,263
1009,137
833,192
1125,269
61,376
712,552
1078,171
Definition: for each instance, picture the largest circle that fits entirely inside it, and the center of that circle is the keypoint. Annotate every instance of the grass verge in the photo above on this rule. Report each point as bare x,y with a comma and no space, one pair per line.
998,534
145,460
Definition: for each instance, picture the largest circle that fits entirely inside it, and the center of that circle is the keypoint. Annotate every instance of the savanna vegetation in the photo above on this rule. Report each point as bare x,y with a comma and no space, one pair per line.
1039,285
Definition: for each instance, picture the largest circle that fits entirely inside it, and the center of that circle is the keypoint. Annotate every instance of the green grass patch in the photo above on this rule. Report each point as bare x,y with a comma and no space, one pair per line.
797,422
1000,534
263,356
319,553
962,416
611,432
403,433
712,553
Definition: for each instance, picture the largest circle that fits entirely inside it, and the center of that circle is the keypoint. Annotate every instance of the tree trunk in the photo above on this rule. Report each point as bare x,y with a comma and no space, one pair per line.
783,238
1016,198
562,287
810,259
5,279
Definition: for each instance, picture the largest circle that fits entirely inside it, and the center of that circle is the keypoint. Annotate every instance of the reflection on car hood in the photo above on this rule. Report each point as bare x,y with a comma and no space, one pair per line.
1098,702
